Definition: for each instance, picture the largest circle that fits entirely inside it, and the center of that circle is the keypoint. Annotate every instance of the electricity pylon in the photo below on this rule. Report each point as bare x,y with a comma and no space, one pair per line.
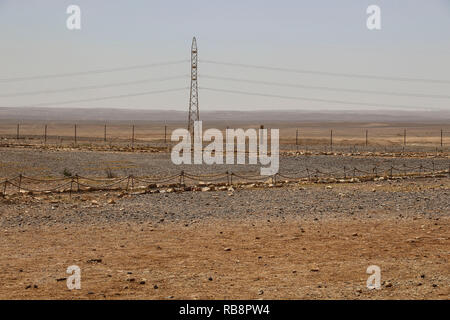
193,99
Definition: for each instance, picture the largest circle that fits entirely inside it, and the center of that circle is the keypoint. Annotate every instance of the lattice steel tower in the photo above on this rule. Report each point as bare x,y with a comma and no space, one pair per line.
193,99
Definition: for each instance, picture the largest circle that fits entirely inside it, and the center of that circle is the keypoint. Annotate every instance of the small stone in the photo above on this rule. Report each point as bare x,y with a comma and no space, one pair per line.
260,292
94,261
210,279
227,249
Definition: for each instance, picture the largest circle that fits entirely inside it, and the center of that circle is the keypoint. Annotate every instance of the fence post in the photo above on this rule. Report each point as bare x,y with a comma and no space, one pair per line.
18,132
132,137
75,133
331,140
71,185
45,134
404,137
296,137
78,182
165,133
442,139
367,138
104,134
182,177
20,182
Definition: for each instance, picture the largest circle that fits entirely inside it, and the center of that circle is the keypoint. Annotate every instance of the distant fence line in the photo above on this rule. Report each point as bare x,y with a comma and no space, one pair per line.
163,136
78,183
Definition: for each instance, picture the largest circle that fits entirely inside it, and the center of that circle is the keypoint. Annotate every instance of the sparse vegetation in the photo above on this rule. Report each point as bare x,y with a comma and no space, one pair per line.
67,173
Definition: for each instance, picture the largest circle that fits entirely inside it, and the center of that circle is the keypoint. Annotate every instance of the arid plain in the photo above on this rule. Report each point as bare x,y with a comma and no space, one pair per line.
336,208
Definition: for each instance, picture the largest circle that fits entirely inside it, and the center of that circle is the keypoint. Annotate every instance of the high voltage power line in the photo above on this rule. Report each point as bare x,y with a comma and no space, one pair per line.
110,85
97,71
326,73
145,93
308,98
279,84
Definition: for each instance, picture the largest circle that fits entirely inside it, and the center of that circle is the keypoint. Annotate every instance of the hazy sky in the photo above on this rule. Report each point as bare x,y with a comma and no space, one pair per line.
322,35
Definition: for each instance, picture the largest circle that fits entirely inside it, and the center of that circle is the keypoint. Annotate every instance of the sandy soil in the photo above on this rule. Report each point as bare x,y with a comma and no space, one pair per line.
229,259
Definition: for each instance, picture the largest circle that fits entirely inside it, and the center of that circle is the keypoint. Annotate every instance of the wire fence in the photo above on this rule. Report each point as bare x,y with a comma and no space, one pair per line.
158,134
77,183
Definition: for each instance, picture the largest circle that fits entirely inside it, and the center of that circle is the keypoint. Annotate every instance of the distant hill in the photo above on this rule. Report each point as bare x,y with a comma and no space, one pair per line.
103,114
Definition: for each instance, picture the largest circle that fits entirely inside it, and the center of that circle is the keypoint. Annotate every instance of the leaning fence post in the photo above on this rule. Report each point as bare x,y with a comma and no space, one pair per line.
345,172
274,178
20,181
4,187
